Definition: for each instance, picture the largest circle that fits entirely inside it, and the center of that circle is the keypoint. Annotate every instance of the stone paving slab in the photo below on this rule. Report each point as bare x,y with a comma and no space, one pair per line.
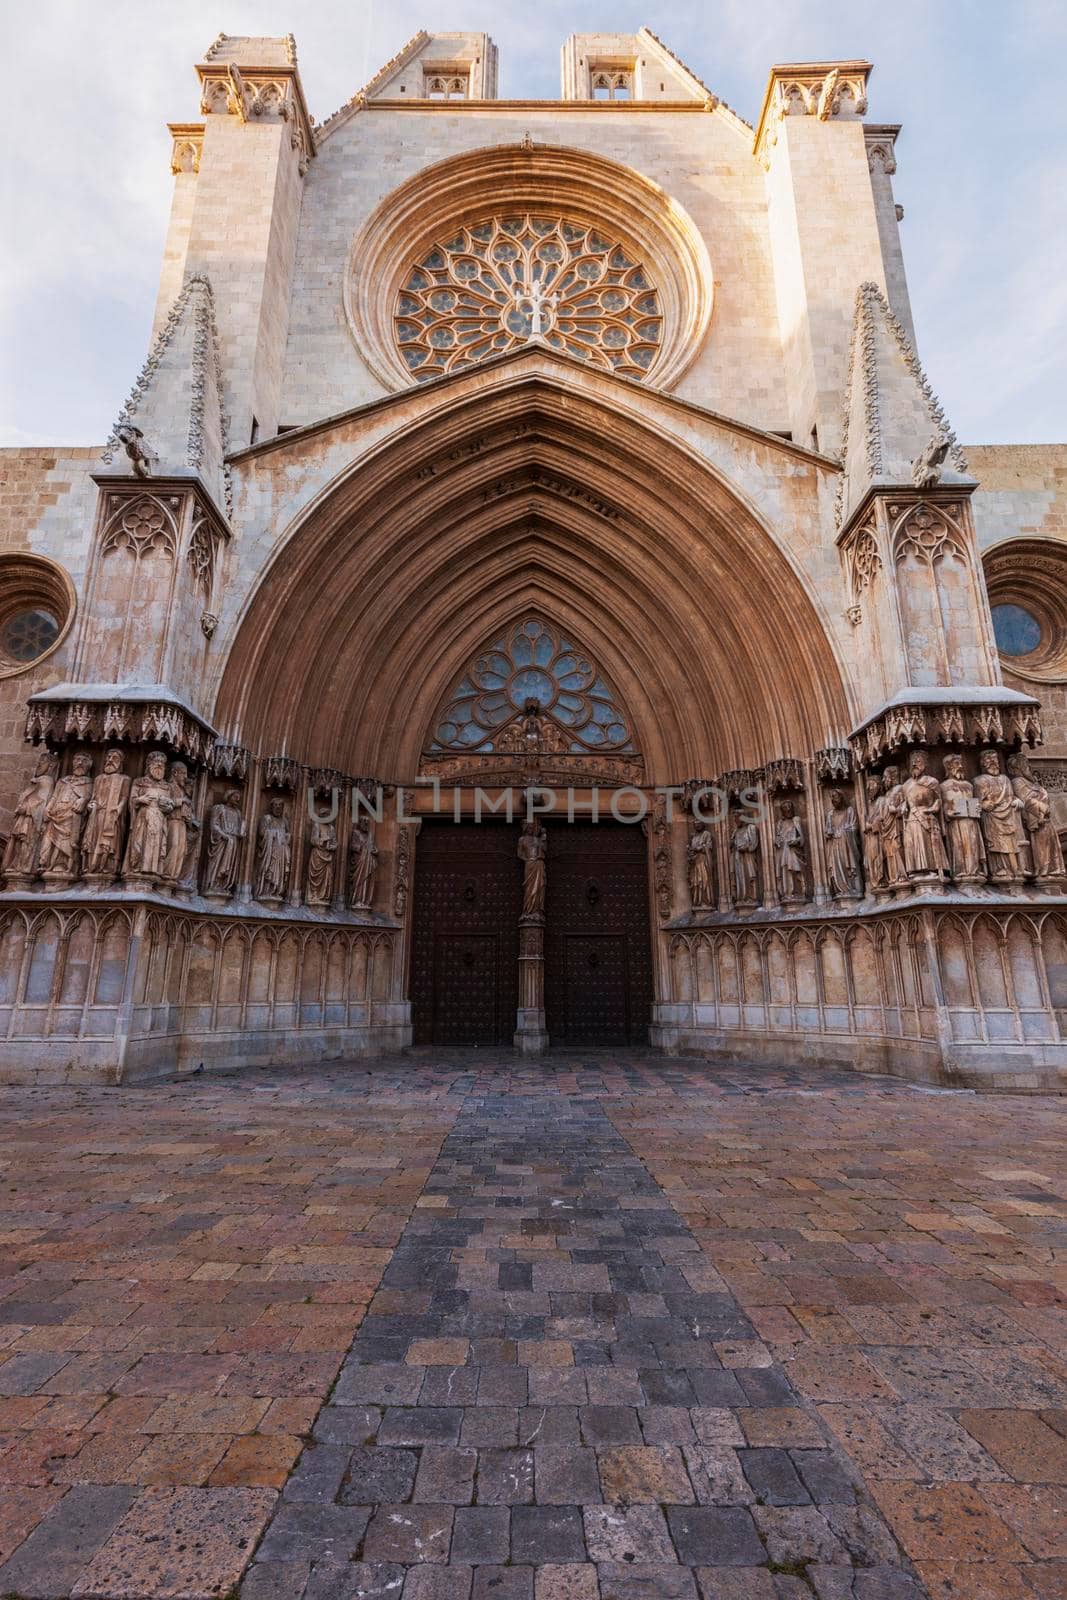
454,1326
182,1270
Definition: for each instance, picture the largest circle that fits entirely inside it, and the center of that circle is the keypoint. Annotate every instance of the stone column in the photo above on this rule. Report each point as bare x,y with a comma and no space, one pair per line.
250,802
339,899
816,820
531,1036
771,891
299,834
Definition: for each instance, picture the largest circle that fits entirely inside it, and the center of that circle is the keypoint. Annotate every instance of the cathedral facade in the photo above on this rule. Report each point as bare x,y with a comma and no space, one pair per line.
532,595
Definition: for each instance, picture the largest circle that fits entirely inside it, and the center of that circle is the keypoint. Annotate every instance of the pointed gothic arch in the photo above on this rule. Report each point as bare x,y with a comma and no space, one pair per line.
531,488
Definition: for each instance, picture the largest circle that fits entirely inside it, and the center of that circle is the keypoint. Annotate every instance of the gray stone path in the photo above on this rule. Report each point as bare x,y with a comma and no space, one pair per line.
554,1396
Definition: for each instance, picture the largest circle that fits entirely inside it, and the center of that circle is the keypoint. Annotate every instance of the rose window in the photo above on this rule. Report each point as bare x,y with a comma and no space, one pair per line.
494,286
532,670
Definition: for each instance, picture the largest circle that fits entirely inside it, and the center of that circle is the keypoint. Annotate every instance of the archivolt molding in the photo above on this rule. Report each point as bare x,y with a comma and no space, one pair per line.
390,581
542,180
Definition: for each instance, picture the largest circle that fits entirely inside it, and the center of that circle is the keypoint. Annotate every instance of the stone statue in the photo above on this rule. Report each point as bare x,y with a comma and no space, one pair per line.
844,860
273,851
790,855
533,847
873,854
531,734
182,827
142,458
322,847
151,803
891,828
106,827
1037,819
362,864
225,830
20,853
1001,825
744,848
701,861
926,468
924,846
64,817
962,813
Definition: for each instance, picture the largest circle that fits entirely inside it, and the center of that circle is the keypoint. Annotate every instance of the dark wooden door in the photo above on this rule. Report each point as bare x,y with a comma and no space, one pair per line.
598,941
465,949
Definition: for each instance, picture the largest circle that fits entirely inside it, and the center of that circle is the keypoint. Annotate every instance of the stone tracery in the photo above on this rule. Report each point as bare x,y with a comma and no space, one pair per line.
532,686
497,283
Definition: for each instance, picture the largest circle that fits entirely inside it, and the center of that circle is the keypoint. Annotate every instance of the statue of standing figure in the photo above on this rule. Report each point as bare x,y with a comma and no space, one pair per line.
844,859
533,848
873,853
362,864
322,847
182,827
924,846
1036,814
701,860
273,851
962,813
225,830
790,855
20,852
891,828
744,848
1001,825
151,803
106,828
64,816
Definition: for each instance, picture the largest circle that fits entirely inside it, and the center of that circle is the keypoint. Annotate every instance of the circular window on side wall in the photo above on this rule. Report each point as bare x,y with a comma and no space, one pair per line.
36,610
1027,584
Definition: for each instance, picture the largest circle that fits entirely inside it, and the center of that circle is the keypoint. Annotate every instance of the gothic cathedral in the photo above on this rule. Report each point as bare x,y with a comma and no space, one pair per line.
532,597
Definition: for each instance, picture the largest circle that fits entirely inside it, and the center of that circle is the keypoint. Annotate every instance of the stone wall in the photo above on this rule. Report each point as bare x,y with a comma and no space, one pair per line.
47,506
704,162
968,996
117,991
1023,495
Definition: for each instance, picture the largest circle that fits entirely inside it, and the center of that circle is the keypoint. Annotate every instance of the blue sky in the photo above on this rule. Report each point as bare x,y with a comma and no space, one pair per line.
981,169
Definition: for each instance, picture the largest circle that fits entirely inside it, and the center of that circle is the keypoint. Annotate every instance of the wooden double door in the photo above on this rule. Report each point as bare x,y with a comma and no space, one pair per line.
467,903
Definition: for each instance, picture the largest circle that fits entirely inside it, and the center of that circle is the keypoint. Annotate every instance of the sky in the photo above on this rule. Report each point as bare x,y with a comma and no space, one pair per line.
981,168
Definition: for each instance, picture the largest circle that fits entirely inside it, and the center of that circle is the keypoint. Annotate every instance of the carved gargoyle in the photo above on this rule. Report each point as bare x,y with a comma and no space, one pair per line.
143,459
926,468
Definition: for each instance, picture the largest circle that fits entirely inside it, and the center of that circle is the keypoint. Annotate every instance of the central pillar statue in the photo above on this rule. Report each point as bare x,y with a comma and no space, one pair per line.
531,1038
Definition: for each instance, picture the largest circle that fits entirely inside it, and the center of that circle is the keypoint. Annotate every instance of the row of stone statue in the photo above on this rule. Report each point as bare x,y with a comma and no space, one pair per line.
844,857
145,831
998,829
916,832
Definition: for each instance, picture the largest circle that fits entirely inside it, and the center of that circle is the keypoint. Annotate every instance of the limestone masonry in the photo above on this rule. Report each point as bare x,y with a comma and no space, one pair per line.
533,593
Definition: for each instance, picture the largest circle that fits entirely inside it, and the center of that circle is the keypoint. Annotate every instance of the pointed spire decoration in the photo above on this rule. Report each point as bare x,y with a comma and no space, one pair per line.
895,428
175,409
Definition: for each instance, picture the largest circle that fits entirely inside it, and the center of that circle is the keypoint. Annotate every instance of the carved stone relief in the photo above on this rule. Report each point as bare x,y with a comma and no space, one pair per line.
225,830
273,852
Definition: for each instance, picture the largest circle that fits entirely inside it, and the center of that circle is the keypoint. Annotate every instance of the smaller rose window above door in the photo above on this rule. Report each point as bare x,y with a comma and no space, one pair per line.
532,672
493,286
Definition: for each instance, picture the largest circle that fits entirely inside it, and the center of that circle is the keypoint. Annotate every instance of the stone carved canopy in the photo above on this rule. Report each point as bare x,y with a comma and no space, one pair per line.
495,284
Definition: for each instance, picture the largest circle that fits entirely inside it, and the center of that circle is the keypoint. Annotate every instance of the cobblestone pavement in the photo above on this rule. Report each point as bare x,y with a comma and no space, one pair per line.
624,1328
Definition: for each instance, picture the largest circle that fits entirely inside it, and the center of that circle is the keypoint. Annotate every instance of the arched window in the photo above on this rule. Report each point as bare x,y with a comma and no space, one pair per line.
532,673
